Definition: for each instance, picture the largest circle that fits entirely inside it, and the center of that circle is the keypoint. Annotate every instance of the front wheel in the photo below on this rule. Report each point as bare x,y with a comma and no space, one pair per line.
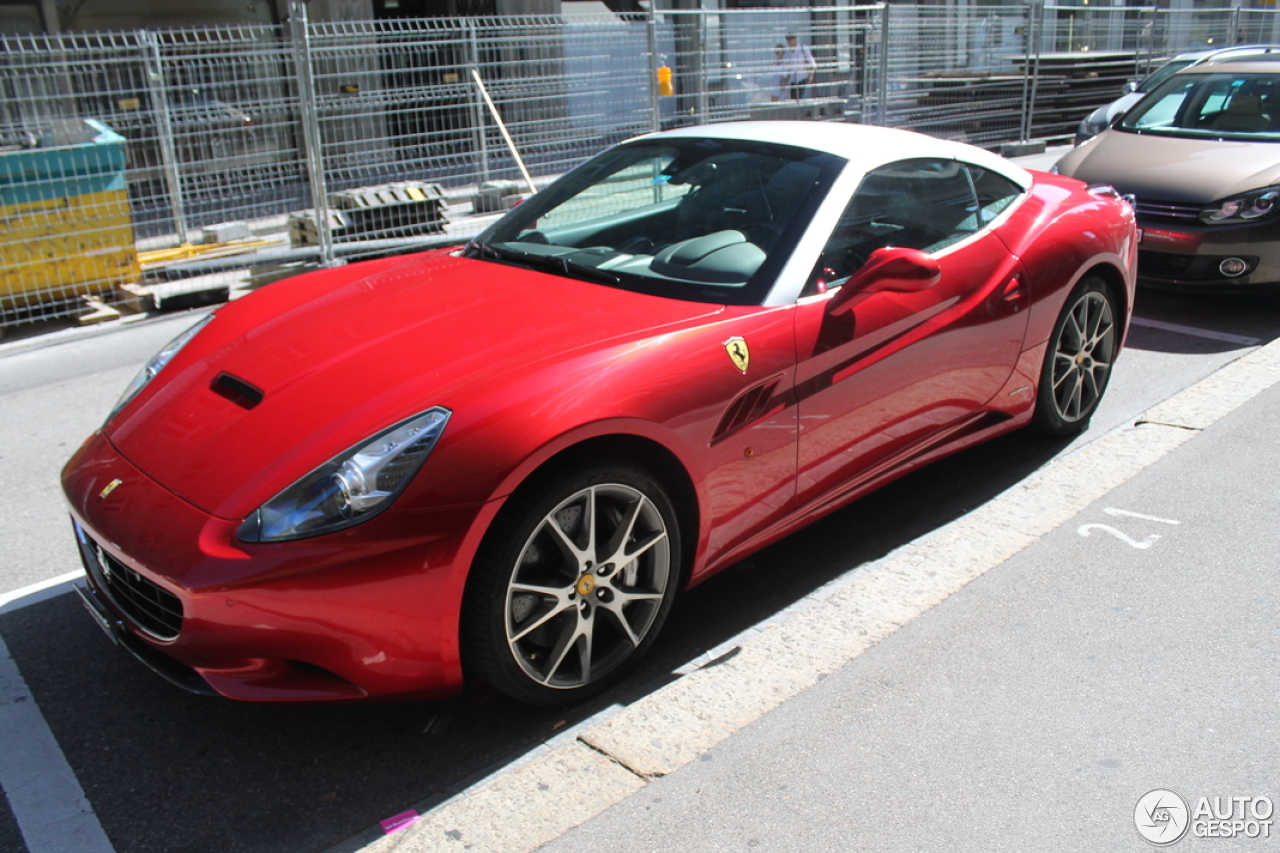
1077,366
572,585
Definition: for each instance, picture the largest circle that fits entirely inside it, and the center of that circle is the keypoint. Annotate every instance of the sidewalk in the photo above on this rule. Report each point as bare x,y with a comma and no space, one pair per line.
1127,641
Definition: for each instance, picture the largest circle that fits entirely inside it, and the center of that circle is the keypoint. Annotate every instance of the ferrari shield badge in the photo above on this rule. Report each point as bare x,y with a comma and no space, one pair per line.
738,353
110,487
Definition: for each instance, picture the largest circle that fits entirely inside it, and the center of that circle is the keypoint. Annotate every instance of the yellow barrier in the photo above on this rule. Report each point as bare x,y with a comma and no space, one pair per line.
60,248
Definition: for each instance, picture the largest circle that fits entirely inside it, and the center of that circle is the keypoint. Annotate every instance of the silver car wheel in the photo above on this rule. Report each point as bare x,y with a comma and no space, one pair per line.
1084,351
588,585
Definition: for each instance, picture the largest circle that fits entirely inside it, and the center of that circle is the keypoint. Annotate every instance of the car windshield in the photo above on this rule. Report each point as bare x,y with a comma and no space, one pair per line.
1164,72
702,219
1220,105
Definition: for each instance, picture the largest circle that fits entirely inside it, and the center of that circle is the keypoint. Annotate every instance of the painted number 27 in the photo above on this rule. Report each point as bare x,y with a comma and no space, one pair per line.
1143,544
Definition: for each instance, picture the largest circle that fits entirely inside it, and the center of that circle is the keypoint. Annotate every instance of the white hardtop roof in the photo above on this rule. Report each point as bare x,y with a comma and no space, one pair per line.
864,146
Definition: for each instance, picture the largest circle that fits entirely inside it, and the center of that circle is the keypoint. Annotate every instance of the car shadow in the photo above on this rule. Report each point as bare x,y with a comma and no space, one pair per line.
174,772
1189,324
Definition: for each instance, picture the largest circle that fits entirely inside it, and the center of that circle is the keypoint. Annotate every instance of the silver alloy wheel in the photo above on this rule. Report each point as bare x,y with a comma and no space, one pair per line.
1083,354
587,586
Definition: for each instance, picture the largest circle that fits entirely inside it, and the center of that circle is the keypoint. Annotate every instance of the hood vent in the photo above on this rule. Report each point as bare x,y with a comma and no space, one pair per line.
750,406
237,390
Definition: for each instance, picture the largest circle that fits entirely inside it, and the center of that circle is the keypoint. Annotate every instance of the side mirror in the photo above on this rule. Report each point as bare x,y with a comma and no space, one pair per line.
889,269
1130,87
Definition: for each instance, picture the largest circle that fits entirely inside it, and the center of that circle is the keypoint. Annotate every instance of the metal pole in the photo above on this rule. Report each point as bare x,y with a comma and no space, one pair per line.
1036,10
882,96
511,145
655,103
164,129
701,61
477,105
300,33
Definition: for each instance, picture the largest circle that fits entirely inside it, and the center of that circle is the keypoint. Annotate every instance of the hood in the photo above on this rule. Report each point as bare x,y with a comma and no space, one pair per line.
1174,169
338,355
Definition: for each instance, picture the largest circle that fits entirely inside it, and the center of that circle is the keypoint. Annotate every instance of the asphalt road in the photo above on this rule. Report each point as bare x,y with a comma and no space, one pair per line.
164,771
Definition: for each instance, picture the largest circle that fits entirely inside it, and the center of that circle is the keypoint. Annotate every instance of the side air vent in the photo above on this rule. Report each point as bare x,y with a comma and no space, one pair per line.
751,405
237,390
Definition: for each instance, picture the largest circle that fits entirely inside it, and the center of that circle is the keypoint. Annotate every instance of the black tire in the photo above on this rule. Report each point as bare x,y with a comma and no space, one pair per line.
1078,362
554,613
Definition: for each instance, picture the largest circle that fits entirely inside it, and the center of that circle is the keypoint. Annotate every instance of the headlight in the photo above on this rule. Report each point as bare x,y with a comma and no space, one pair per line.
156,364
1258,204
352,486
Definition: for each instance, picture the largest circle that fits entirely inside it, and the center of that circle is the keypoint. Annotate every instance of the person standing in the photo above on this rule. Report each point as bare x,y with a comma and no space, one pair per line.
780,76
799,60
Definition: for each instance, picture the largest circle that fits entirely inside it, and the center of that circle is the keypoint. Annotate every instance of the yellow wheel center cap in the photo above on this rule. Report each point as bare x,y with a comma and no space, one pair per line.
586,584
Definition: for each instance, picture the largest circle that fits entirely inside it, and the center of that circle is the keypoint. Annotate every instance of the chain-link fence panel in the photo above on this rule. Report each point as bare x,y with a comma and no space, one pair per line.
956,72
65,226
765,64
1082,57
1258,26
416,110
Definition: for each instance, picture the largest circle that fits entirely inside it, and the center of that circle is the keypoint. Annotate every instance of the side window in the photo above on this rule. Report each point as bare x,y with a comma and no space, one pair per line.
995,192
917,204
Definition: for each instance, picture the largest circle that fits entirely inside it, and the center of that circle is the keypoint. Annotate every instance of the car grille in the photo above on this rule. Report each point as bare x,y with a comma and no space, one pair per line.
1150,209
155,610
1164,264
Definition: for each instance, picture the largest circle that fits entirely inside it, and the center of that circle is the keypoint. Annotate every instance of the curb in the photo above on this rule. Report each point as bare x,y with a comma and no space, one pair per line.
537,799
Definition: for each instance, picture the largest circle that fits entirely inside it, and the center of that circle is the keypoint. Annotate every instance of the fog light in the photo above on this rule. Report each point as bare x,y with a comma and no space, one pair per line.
1232,267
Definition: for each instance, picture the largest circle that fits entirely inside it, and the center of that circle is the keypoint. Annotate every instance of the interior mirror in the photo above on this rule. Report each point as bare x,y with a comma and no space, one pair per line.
889,269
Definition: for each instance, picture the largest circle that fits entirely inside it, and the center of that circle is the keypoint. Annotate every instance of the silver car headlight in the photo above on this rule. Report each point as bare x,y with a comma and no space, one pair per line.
1246,207
155,365
352,486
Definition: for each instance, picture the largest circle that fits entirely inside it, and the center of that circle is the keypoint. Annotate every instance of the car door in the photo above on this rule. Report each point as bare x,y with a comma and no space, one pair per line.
882,368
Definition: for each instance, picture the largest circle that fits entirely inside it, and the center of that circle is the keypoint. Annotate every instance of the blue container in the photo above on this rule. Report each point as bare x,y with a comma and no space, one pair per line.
83,157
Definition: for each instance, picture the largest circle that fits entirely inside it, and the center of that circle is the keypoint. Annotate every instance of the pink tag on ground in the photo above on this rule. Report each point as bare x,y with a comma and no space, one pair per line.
398,822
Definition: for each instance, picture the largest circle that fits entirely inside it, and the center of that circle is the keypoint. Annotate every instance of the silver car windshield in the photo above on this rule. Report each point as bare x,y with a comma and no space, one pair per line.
1223,105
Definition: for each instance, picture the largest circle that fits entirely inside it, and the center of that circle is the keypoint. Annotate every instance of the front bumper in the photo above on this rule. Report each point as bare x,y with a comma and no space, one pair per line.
1192,257
170,669
369,611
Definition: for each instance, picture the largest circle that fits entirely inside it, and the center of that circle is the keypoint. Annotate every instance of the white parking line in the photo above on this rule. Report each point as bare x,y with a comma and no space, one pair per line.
1196,333
37,592
46,799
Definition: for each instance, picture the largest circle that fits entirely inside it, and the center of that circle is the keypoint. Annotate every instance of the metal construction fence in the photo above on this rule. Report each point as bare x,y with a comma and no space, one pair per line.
157,166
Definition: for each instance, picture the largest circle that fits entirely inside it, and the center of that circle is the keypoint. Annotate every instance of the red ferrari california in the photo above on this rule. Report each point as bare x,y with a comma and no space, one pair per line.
503,461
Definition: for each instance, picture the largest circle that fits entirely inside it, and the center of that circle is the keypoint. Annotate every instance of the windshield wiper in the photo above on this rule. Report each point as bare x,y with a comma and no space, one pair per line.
483,250
553,263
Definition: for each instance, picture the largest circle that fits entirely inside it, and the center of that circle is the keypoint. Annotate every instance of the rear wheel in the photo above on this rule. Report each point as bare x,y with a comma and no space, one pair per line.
1078,364
572,585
